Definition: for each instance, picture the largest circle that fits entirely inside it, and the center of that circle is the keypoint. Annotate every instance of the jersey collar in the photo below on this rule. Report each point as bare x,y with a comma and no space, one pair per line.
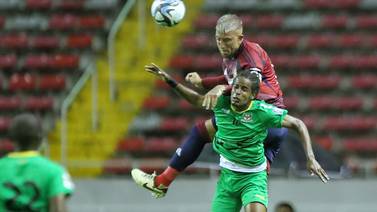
239,50
23,154
248,108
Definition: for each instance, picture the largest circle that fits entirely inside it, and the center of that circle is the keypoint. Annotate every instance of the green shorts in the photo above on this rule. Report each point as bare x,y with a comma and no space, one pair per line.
236,189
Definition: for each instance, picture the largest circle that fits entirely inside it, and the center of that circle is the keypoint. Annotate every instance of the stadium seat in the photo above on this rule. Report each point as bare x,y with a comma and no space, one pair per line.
174,124
13,41
206,21
44,42
39,103
38,4
306,62
79,41
131,144
340,62
366,21
196,41
326,142
160,145
335,103
314,81
52,82
349,123
291,102
310,121
181,62
320,41
92,22
5,123
118,166
269,21
205,62
360,144
334,21
8,61
36,61
184,104
364,81
70,4
22,82
62,61
352,40
63,21
339,4
10,103
286,41
364,62
156,102
2,21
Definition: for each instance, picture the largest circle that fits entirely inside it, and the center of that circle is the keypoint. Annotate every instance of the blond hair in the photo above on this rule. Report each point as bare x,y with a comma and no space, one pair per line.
228,23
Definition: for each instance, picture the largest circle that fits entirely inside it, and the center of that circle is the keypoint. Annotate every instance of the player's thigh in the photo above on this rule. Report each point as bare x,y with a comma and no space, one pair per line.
210,126
255,189
255,207
225,198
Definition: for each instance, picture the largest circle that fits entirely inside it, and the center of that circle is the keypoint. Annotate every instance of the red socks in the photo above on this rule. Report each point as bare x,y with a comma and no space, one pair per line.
166,177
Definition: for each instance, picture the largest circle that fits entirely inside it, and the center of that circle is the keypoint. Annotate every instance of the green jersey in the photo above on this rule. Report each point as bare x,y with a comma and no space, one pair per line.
240,135
28,181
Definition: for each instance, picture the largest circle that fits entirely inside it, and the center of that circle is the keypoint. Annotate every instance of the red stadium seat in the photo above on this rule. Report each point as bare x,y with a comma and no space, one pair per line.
360,144
181,62
310,121
52,82
13,41
365,62
36,61
174,124
286,41
5,123
334,21
340,62
349,123
196,41
265,40
39,103
351,40
160,145
306,62
156,102
64,22
366,21
10,103
184,104
92,22
38,4
6,145
364,81
269,21
62,61
79,41
44,42
320,41
22,82
118,166
8,61
207,62
131,144
282,61
338,4
292,102
2,21
206,21
325,142
71,4
336,103
314,81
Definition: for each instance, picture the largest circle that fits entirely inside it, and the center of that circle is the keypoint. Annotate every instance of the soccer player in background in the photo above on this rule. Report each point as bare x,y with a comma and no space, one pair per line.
236,52
243,122
28,181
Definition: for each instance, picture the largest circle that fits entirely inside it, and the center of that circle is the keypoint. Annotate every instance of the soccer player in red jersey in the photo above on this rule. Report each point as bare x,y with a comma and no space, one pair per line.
237,53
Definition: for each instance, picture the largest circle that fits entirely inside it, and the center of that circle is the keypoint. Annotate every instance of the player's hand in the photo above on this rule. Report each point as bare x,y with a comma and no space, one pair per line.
210,99
194,79
157,71
314,168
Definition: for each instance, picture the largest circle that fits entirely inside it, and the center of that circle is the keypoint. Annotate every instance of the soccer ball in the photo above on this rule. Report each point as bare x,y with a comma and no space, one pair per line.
168,12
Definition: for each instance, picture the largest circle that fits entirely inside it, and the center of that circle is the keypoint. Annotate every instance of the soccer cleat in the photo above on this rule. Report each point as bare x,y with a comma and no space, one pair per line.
147,181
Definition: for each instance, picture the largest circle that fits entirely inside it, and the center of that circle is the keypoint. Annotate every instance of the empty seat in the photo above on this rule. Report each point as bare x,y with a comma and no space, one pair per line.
62,61
2,21
320,41
334,21
39,103
206,21
52,82
338,4
365,62
10,103
5,123
38,4
286,41
196,41
335,103
36,61
181,62
6,145
340,62
8,61
174,124
269,21
156,102
92,22
131,144
207,62
101,4
314,81
44,42
364,81
310,121
71,4
360,144
325,142
291,102
184,104
13,41
64,21
79,41
117,166
306,61
160,145
22,82
352,40
350,123
366,21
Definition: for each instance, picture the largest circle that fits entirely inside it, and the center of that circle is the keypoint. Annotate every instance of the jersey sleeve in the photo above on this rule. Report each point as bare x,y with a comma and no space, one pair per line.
271,115
61,183
210,82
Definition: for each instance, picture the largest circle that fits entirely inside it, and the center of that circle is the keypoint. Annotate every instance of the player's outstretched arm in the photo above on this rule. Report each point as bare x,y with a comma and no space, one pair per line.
312,164
190,95
57,204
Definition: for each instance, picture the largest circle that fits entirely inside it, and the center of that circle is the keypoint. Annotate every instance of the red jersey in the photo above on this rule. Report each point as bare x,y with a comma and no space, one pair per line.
251,56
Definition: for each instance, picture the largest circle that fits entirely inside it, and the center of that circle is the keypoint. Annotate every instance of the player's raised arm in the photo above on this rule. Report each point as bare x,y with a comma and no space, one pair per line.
312,164
190,95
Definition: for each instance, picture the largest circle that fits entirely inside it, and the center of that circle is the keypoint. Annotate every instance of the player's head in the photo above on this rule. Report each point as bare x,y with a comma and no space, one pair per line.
26,132
229,34
284,207
245,88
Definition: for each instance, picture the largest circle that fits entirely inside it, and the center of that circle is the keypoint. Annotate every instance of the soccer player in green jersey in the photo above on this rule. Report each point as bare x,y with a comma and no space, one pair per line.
242,123
30,182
